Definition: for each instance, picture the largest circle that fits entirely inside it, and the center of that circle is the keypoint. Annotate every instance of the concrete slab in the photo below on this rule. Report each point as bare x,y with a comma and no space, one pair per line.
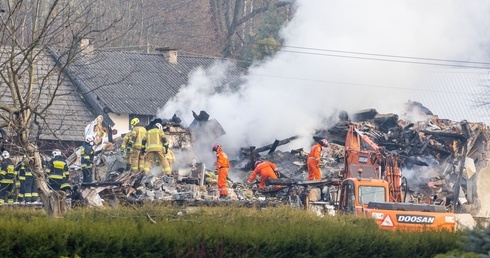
465,221
483,186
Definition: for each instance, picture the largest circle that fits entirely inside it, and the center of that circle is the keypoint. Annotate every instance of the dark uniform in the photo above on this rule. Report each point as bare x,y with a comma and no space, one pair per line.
7,177
87,154
28,191
58,174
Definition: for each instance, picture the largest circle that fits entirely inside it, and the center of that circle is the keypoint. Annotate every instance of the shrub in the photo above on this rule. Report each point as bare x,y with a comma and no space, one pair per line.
231,231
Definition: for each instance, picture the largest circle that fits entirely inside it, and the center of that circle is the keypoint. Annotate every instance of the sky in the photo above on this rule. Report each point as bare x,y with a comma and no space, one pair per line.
334,58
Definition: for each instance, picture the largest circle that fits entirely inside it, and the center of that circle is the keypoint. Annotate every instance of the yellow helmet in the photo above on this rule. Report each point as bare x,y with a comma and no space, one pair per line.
135,121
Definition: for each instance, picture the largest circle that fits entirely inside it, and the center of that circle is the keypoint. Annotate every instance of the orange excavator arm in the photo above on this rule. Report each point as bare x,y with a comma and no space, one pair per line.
392,172
393,175
367,140
352,141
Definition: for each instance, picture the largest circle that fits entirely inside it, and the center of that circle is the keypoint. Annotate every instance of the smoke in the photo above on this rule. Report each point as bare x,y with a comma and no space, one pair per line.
299,89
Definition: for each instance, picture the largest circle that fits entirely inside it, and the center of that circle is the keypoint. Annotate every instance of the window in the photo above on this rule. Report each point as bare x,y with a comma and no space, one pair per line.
348,198
371,194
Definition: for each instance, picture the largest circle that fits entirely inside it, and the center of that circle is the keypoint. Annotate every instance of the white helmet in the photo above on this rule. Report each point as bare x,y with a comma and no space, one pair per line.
90,138
56,153
5,154
159,126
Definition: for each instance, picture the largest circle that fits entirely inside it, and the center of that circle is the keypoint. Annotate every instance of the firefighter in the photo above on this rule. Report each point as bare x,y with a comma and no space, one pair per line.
20,168
313,162
156,144
7,176
266,170
28,191
126,147
170,156
222,167
57,171
138,133
87,155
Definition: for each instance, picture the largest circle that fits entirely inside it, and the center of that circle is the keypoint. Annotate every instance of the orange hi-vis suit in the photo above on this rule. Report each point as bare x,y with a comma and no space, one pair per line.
313,163
156,145
137,158
266,170
222,166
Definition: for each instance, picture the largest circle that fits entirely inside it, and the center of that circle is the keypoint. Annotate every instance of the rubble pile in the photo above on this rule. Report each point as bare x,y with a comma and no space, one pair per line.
441,159
139,188
190,181
441,162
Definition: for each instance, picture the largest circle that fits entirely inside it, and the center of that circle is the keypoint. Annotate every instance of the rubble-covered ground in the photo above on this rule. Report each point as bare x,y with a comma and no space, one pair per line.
443,162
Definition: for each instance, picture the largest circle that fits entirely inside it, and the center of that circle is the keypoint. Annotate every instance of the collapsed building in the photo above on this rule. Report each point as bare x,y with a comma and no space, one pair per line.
443,162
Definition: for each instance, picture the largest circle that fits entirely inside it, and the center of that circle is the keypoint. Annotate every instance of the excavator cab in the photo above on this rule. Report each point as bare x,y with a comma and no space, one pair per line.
357,193
376,190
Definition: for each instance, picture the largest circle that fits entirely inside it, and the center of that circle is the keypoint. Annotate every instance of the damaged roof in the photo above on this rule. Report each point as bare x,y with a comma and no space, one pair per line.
135,83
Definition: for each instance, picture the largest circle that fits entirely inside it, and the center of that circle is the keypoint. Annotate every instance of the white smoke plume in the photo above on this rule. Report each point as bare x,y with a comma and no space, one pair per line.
304,84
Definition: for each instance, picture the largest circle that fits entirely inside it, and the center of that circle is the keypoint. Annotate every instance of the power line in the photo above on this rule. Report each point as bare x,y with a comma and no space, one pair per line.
372,56
353,84
384,55
365,85
388,60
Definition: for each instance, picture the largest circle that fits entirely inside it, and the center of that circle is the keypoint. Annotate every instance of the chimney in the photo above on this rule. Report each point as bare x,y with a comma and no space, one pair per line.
170,54
85,46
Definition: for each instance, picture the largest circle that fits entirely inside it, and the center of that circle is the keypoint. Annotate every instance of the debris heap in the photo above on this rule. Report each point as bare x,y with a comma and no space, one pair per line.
442,162
441,159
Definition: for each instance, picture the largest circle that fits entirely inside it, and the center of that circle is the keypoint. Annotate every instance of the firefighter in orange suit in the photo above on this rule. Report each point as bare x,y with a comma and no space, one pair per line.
137,156
266,170
313,162
222,166
156,144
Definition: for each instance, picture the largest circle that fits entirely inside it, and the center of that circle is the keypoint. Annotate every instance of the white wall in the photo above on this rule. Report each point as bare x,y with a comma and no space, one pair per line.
121,123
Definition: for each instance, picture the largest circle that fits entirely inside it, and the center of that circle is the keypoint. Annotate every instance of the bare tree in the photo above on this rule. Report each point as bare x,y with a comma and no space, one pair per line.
185,25
236,18
31,79
199,27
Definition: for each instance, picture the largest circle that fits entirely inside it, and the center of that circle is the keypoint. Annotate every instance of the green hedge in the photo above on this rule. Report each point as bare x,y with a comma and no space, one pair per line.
168,231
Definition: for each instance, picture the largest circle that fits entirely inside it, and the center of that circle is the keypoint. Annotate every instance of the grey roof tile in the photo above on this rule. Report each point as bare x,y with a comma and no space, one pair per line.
135,83
68,115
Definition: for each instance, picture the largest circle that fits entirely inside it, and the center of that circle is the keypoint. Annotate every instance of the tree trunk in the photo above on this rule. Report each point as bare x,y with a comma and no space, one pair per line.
54,202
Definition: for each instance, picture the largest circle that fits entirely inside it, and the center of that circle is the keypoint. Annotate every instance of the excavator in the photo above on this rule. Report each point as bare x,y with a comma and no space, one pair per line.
376,191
